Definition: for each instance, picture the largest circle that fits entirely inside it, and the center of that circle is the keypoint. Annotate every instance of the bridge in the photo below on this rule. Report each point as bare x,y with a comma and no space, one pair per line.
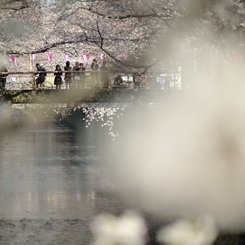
20,92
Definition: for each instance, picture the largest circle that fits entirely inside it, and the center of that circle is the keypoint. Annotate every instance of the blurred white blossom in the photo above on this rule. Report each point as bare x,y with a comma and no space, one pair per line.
128,229
188,156
183,232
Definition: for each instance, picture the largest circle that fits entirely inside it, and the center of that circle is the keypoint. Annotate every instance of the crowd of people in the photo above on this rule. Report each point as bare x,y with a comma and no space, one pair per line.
74,77
70,76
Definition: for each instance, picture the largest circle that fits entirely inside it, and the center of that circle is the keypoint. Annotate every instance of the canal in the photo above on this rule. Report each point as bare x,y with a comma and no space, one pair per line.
53,181
51,185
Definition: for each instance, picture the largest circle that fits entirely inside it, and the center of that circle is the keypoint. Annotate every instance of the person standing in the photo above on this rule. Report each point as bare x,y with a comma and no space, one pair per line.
76,74
58,78
41,72
104,75
95,68
68,75
82,77
118,81
3,76
94,65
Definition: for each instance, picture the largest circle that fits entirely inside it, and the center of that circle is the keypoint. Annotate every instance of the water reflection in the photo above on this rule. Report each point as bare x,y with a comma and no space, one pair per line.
47,172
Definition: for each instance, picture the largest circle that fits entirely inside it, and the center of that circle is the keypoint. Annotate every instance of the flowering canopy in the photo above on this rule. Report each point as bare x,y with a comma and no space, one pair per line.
144,32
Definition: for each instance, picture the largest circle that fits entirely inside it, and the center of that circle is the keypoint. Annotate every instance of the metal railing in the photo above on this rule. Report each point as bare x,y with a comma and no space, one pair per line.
26,81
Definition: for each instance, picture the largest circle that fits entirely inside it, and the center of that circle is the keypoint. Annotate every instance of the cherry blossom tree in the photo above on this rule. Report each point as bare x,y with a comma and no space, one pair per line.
133,35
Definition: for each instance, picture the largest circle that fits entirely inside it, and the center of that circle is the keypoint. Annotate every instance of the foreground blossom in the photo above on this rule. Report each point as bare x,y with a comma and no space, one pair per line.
128,229
184,232
187,156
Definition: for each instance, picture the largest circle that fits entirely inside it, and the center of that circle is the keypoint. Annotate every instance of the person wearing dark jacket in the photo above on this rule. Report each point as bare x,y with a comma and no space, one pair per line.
94,74
68,75
104,75
76,74
3,76
41,72
57,78
94,65
118,81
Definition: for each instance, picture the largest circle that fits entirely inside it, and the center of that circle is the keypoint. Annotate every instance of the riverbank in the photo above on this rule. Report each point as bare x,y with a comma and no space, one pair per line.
44,232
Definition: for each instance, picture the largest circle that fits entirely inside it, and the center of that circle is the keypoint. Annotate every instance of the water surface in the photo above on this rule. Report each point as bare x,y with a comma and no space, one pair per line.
47,172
